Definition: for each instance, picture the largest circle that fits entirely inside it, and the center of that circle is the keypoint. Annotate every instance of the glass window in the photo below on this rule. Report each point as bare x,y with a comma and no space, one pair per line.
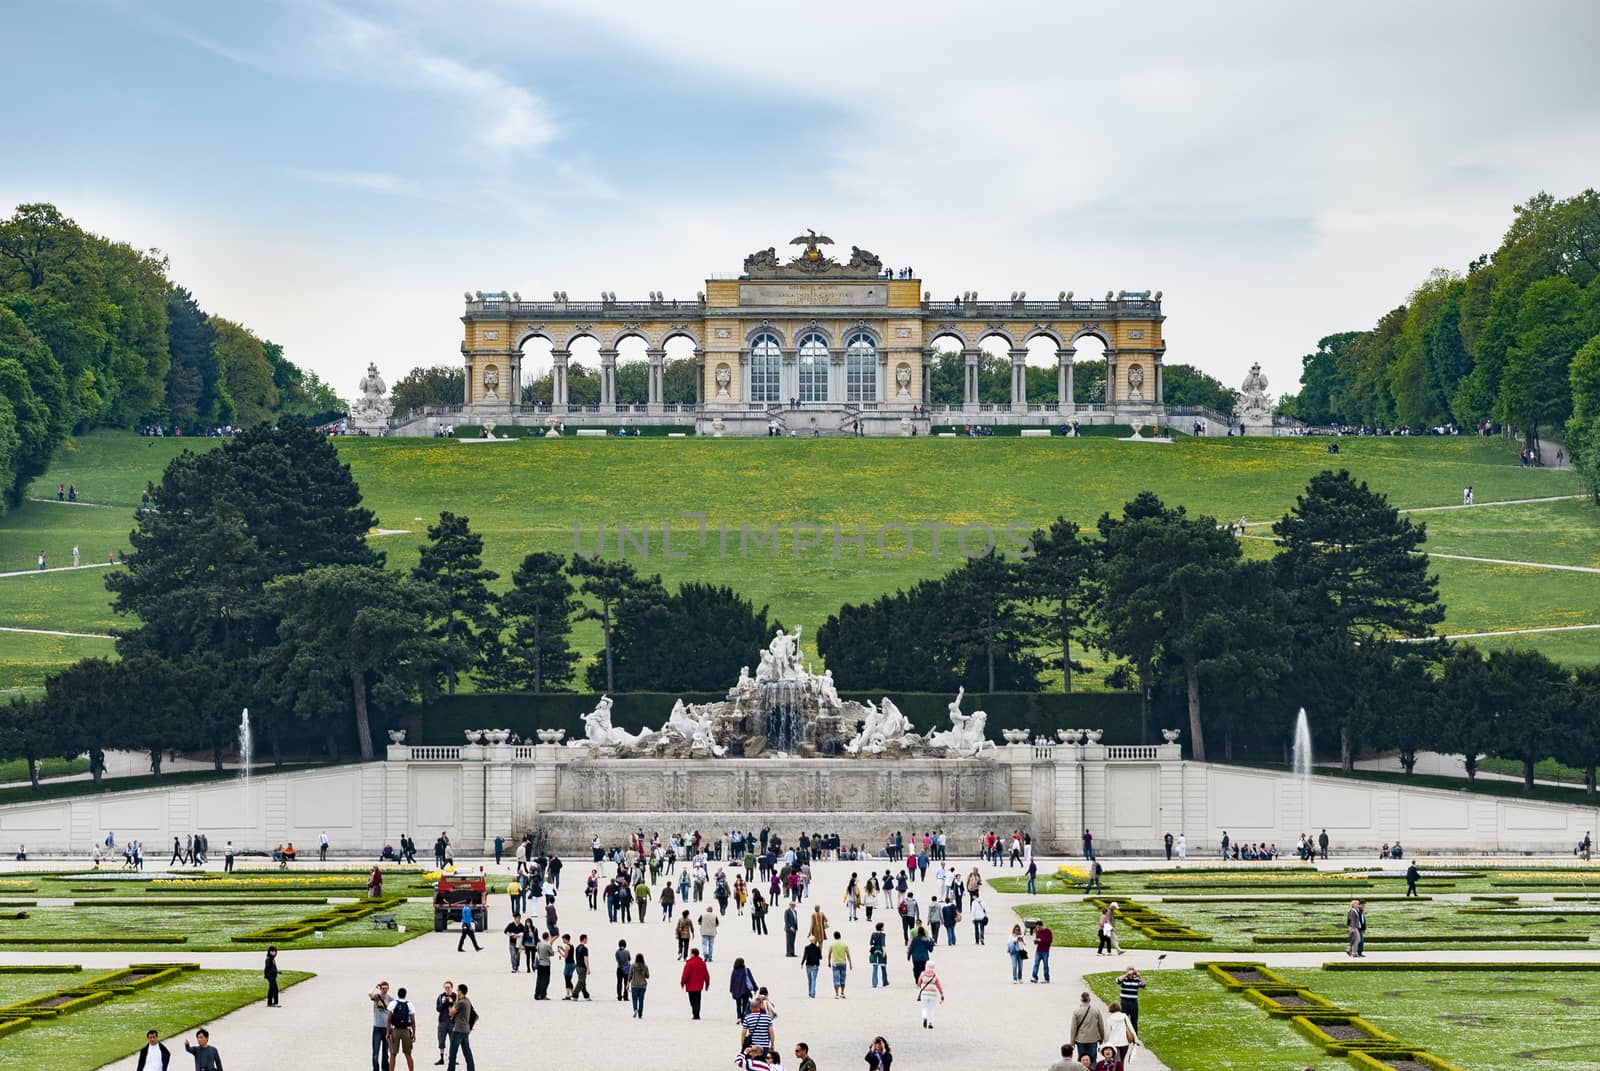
813,368
766,365
861,368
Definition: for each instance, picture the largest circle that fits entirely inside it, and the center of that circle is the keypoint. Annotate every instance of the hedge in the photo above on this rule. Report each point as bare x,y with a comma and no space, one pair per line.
11,1026
1418,939
1456,965
322,920
443,720
1311,1027
1223,899
1266,997
96,939
12,916
1367,1062
39,968
214,901
1221,971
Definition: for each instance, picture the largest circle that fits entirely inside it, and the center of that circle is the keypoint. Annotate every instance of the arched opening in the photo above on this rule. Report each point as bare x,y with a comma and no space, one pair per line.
633,371
766,368
813,368
583,371
679,375
946,370
538,371
1089,370
994,370
1042,381
860,368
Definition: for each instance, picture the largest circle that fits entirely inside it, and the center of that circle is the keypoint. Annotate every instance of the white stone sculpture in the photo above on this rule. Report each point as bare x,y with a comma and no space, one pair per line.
883,729
1255,404
371,411
692,724
724,380
599,732
781,660
967,734
1171,735
1135,384
397,736
902,381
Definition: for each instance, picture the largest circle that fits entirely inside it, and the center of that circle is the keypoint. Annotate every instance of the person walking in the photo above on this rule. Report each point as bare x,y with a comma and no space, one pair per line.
1412,874
1322,842
1355,924
380,1026
1183,847
441,1007
1043,938
1087,1028
1128,986
1093,884
402,1030
756,1026
543,955
839,959
811,961
919,952
206,1056
878,955
580,968
1088,845
802,1052
1166,840
1017,950
624,968
1120,1032
154,1056
684,931
879,1058
463,1017
791,930
709,922
638,982
322,847
695,980
930,993
742,988
270,973
819,925
514,931
979,912
1108,930
468,926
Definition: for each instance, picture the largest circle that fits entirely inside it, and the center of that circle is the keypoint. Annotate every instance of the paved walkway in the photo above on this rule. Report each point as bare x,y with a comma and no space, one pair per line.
985,1022
57,632
58,569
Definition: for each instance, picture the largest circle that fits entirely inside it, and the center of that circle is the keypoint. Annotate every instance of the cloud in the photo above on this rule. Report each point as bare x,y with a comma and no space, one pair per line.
370,181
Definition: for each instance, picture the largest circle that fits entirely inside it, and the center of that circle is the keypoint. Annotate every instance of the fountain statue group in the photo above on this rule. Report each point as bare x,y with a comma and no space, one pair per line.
784,708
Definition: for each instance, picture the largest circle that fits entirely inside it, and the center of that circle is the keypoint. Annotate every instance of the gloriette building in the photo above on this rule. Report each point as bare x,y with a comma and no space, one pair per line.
813,342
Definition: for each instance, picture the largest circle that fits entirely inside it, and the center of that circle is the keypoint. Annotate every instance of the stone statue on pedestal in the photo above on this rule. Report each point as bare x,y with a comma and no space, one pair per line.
967,732
599,732
371,411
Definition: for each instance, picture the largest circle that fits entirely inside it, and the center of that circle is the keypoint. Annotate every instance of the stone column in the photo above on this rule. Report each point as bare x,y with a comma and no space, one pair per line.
969,388
1161,391
1112,390
608,380
836,384
1064,379
789,381
1019,380
656,359
699,378
927,377
558,380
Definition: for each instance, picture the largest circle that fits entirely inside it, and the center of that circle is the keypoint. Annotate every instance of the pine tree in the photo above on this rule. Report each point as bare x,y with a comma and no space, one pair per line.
536,653
452,562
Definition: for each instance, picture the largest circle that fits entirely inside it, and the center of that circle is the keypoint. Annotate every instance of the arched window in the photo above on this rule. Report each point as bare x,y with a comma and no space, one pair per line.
766,365
813,368
860,368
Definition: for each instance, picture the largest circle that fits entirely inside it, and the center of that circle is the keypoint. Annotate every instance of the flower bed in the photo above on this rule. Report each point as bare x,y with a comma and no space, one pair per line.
9,1026
1342,1034
1285,1002
1400,1060
97,939
1242,974
322,920
1150,923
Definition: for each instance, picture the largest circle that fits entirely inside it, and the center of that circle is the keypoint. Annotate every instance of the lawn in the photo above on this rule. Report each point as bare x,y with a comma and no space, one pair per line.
1473,1019
533,494
208,927
1233,925
97,1036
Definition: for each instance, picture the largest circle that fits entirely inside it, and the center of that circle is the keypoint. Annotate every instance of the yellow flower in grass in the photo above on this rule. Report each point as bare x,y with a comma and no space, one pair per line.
1068,872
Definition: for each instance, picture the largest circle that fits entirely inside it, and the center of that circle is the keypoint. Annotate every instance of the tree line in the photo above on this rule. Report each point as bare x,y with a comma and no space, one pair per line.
93,333
251,582
1514,339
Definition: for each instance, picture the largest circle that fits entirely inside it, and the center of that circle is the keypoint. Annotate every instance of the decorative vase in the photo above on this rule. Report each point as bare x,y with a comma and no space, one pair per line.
1094,735
397,736
1171,735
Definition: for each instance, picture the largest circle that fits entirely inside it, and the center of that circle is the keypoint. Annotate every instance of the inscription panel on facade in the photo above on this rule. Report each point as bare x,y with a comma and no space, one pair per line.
813,294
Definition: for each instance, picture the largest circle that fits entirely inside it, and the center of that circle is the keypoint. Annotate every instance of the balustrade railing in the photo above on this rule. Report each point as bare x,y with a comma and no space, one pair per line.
1132,751
435,753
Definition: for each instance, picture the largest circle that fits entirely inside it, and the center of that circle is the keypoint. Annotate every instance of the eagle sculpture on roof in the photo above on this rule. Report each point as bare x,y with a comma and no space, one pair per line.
811,239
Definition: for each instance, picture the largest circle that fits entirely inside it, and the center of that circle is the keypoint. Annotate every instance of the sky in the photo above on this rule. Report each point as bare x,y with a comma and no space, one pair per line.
335,173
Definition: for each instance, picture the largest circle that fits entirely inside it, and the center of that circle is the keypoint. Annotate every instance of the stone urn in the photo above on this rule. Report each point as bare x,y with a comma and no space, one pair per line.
474,736
1014,736
1171,735
1069,736
397,736
488,429
905,426
1093,735
1138,428
718,426
551,736
497,736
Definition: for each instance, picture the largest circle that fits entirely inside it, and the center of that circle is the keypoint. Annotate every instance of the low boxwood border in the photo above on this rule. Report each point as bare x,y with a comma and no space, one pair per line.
1366,1061
322,920
1329,899
1421,938
1311,1027
11,1026
97,939
1266,998
39,968
1220,970
1459,965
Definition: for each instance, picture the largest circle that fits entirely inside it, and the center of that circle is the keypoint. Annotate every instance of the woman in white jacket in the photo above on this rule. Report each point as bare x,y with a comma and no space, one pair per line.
1120,1034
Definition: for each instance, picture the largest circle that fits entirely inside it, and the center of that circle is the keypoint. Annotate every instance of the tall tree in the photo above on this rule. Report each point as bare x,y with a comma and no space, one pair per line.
695,639
242,358
421,388
196,392
350,634
30,428
452,561
1060,573
1578,734
1535,390
606,582
1464,722
896,642
993,635
1526,693
536,653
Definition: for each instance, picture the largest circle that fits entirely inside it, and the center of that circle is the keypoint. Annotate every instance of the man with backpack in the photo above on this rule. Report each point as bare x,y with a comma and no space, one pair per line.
402,1029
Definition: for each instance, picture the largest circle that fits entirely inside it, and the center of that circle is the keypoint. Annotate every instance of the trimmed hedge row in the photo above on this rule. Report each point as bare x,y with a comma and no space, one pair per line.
1374,1040
1366,1061
1151,923
97,990
97,939
1331,899
12,916
1419,939
443,720
1222,972
322,920
39,968
1412,965
1267,998
212,901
